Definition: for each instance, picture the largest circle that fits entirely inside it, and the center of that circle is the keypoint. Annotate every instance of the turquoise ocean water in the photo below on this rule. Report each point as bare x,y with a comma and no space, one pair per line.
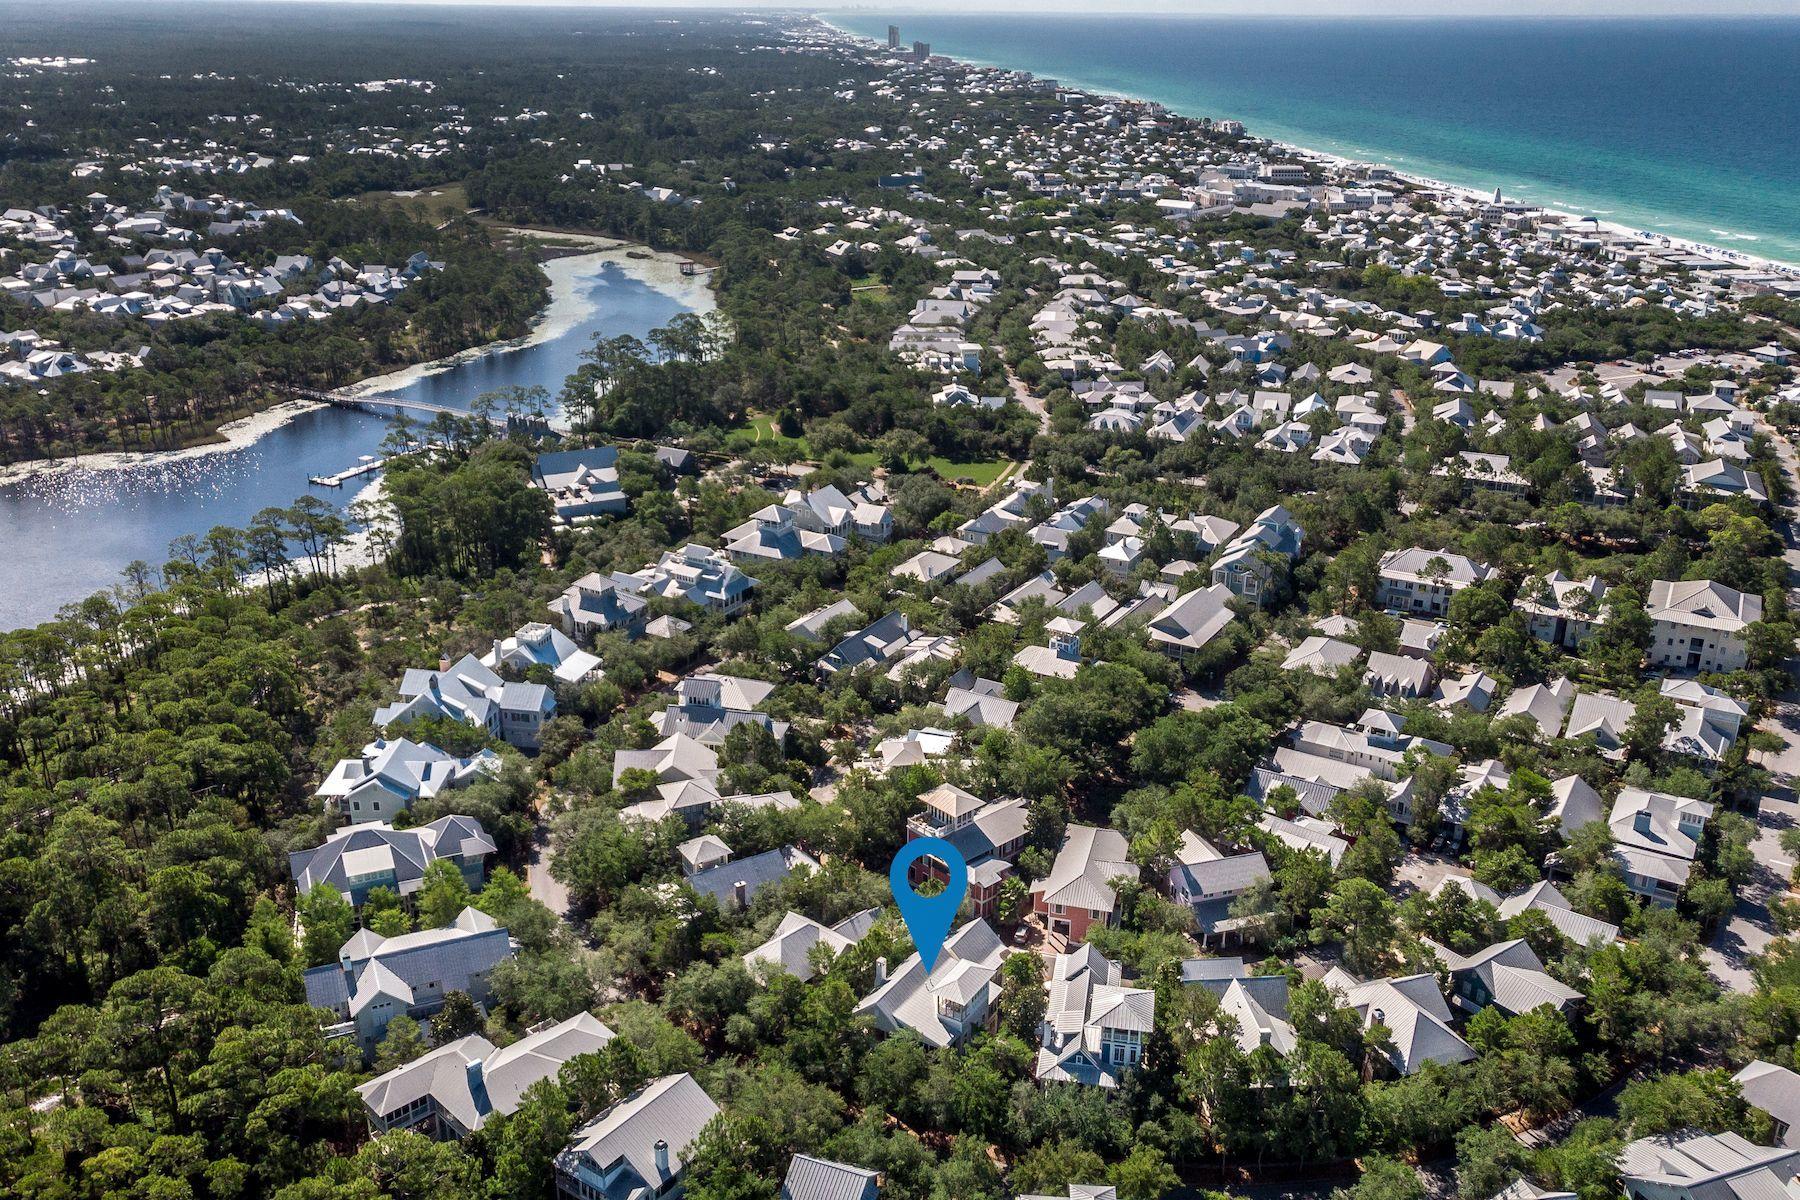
1683,127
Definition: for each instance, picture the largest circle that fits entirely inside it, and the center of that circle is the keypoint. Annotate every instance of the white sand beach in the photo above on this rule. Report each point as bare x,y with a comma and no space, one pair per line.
567,308
233,435
1737,258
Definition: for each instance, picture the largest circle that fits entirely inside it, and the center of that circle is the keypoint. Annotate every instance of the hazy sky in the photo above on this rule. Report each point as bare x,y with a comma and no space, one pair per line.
1638,8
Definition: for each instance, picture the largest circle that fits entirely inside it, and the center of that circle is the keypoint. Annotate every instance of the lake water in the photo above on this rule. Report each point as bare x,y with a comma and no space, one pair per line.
65,536
1683,127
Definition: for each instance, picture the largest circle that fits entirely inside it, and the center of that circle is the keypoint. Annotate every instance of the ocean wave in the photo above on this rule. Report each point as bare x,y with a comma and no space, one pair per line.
1735,237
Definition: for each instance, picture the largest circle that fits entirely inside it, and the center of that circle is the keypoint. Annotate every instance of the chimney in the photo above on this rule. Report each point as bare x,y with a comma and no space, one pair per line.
880,971
1640,820
432,683
443,662
496,653
662,1160
740,894
477,1073
1379,1017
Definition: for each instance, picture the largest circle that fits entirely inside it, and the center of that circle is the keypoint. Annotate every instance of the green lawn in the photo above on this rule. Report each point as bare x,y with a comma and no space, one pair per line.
983,473
760,430
434,205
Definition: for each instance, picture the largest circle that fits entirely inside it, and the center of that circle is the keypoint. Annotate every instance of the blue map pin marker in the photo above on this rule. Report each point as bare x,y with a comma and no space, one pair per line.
928,918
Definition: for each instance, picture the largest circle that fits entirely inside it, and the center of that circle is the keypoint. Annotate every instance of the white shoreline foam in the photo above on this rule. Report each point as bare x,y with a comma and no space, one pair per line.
1554,208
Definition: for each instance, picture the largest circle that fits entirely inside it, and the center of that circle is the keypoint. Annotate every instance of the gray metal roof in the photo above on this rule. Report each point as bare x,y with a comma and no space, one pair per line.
810,1178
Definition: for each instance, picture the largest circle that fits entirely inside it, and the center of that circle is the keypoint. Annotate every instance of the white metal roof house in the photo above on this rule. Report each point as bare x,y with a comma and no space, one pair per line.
390,775
1698,625
471,692
694,574
377,979
1656,838
1192,620
1256,1004
1422,581
790,947
1094,1028
1207,880
582,484
536,644
1506,975
1775,1090
708,706
810,1178
595,604
637,1148
1706,1166
1413,1012
1247,564
360,858
1078,891
452,1091
950,1002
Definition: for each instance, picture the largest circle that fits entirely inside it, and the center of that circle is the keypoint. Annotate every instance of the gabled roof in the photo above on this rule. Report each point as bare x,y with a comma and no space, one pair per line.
810,1178
1703,604
1512,974
370,966
469,1078
1321,655
1258,1003
671,1110
967,972
790,947
1545,703
1658,822
1413,1012
1085,999
754,873
1775,1090
1089,857
1193,619
376,848
1545,897
1695,1164
1413,563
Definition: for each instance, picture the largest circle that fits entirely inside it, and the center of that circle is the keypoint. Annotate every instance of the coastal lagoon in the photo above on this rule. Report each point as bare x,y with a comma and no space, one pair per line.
66,533
1677,127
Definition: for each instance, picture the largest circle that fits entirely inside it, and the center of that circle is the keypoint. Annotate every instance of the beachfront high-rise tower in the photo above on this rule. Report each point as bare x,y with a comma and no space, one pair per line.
893,37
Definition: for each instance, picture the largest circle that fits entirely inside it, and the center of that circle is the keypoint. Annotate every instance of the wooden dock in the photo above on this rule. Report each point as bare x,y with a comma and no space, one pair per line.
367,467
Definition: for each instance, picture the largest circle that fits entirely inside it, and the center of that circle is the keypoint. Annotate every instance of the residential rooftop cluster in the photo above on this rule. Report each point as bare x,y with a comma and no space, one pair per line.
1340,623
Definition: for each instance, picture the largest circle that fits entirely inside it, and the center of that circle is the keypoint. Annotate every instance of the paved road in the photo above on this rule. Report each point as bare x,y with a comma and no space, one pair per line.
1030,403
1749,928
544,889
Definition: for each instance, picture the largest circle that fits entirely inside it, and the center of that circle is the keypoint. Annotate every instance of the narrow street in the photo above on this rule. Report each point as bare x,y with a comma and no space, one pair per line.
1749,929
1030,403
544,889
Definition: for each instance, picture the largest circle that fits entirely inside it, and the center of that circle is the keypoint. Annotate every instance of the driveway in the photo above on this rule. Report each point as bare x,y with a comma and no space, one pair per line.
1748,930
544,889
1021,392
1420,871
